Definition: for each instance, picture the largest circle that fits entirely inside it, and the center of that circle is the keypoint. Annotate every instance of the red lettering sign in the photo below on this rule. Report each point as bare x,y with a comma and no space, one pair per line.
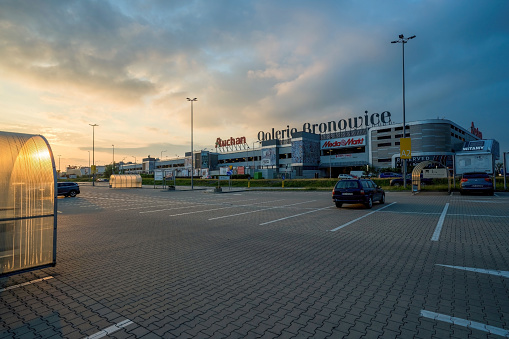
475,131
230,142
343,142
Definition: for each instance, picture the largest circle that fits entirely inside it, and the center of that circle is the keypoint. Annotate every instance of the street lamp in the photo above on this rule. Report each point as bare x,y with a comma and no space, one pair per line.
330,164
192,154
254,168
93,151
402,40
89,164
113,167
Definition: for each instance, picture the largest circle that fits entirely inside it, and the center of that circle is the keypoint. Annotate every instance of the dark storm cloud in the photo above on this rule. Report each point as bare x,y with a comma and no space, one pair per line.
263,64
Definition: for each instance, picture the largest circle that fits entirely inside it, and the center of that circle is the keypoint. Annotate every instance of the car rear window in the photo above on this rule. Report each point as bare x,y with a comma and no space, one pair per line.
347,184
475,175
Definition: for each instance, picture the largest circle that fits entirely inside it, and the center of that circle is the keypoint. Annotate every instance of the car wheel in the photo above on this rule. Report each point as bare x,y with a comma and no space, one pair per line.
382,200
397,184
369,203
339,204
72,194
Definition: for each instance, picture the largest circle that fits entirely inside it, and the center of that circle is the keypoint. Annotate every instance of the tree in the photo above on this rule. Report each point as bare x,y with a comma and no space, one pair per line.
498,167
108,170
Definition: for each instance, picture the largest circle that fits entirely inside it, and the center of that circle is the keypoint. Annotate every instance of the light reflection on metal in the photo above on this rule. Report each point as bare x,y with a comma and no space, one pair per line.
27,203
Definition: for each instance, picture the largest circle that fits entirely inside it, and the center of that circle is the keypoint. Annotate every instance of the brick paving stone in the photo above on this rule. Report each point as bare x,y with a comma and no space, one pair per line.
366,277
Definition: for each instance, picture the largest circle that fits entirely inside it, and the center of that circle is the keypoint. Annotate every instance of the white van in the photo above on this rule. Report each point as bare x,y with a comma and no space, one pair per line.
345,176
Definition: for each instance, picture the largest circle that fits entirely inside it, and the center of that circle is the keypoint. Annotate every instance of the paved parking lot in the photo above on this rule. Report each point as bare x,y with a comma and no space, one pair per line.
148,263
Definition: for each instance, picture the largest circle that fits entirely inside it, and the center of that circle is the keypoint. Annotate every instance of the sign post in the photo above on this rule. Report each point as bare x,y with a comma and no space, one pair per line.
405,152
505,160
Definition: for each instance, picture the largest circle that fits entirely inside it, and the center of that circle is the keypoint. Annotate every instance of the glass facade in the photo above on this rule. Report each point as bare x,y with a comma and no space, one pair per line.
27,202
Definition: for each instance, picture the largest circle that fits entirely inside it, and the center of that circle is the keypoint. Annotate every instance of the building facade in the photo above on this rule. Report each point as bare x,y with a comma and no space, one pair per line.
304,154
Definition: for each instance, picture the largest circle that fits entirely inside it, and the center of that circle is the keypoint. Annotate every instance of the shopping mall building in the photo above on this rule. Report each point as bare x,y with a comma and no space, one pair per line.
322,150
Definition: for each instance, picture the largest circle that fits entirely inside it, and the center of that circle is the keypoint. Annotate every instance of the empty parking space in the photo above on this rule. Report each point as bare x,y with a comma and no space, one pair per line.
148,262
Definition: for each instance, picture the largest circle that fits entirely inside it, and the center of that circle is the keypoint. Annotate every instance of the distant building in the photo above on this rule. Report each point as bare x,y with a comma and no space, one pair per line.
333,148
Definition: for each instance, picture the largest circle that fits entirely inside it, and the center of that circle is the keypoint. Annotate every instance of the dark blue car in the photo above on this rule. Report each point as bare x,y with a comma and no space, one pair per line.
356,191
68,189
476,183
390,175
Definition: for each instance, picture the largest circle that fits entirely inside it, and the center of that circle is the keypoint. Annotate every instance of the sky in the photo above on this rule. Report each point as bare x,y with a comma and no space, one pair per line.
128,66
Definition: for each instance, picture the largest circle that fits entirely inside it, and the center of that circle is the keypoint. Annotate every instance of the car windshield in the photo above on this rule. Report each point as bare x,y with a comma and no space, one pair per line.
347,184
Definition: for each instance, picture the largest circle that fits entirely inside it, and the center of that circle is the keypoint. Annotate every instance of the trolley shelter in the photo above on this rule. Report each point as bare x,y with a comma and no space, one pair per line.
125,181
28,203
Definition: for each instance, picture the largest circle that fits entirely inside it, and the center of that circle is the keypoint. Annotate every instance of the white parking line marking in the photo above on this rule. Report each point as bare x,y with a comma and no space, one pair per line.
169,209
479,215
24,284
440,223
504,274
110,329
401,212
222,208
465,323
351,222
265,209
296,215
487,201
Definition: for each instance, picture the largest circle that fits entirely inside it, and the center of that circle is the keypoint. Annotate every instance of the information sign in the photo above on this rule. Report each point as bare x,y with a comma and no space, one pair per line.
405,148
434,173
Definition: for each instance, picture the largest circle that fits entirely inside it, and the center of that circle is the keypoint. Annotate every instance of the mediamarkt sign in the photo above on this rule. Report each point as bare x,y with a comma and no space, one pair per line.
365,121
344,142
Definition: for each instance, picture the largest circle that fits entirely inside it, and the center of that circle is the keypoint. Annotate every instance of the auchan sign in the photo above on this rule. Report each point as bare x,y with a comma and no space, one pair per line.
344,142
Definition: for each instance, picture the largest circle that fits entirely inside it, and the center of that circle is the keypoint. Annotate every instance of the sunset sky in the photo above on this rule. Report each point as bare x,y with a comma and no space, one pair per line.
128,66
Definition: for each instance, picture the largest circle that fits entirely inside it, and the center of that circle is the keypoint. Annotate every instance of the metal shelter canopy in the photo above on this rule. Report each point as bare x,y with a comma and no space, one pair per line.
28,203
125,181
416,174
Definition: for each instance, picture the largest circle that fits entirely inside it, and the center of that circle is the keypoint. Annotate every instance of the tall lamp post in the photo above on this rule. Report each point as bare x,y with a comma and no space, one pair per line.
89,164
113,167
93,151
402,40
192,150
254,167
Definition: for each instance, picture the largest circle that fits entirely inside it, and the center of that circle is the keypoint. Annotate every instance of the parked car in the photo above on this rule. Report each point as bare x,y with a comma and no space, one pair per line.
354,191
399,181
68,189
390,175
476,183
345,176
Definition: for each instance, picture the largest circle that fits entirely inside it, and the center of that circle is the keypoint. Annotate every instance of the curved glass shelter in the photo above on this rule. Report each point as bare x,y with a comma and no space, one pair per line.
125,181
28,220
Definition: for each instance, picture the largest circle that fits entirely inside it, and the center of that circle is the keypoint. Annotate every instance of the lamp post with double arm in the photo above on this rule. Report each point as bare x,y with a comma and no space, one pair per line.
402,40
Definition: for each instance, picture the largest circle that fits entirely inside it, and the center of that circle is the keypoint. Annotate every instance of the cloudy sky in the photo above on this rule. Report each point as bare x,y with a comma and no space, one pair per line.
129,66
